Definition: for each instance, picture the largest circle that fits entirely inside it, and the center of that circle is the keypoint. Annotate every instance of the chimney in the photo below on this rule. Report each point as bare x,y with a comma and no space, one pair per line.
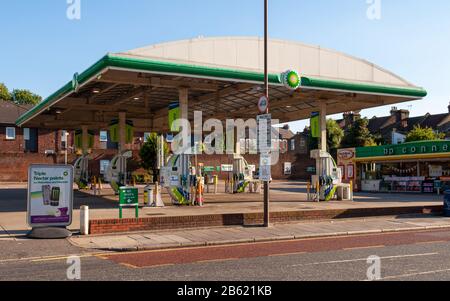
400,116
350,118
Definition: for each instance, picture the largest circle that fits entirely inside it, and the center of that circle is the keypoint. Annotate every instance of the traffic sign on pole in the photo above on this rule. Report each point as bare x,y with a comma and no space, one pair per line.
263,105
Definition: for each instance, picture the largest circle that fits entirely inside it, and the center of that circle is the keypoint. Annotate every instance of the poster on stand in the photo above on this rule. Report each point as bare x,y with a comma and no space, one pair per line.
50,195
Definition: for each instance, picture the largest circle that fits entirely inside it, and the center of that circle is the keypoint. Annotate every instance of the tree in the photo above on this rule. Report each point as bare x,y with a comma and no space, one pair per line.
149,154
25,97
4,92
358,135
423,134
334,136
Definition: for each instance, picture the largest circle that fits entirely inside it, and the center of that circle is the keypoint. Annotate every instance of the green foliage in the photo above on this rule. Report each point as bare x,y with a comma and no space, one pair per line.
334,137
25,97
358,135
4,92
334,134
149,154
423,134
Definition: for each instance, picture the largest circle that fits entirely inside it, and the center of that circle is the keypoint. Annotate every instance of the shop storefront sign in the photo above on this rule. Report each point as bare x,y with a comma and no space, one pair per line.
416,148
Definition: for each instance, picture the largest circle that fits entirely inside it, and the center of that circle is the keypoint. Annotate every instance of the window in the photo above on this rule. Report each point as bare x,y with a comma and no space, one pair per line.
103,136
293,145
147,136
10,133
104,164
64,139
30,137
26,134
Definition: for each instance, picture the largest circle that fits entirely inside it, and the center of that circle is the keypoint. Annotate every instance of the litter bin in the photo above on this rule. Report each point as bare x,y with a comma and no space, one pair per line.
447,203
148,196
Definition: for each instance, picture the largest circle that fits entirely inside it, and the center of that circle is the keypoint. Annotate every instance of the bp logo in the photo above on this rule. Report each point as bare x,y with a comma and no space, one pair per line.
291,79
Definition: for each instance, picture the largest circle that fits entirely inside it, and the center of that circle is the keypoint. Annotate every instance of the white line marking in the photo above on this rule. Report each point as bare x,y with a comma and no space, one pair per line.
50,258
416,274
365,259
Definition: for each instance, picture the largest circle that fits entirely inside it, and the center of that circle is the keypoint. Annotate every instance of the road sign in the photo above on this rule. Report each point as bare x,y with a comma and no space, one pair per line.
264,133
50,195
263,104
128,196
265,168
227,167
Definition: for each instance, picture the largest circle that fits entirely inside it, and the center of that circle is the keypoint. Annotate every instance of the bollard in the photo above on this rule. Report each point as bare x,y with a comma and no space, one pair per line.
199,198
308,190
216,184
94,185
318,191
84,220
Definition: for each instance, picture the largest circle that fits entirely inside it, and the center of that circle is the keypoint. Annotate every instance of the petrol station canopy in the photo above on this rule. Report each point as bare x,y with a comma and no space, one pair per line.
224,78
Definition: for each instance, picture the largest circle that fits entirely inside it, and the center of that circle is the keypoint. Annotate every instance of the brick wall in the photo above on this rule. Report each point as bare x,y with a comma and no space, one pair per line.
11,146
246,219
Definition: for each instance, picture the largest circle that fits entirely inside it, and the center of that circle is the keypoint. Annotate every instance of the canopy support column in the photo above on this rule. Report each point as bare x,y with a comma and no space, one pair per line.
323,127
85,139
122,131
184,115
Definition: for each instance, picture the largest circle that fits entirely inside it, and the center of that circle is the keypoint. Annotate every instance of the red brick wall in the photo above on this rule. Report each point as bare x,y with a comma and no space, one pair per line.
218,220
11,146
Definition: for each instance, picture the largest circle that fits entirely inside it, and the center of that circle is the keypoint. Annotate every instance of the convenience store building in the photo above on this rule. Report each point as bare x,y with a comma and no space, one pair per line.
419,167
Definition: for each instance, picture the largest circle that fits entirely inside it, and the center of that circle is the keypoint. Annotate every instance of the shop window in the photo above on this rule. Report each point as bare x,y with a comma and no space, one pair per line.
147,136
10,133
103,136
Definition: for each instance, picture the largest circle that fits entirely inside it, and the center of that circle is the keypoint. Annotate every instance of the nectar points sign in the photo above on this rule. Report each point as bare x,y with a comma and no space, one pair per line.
50,195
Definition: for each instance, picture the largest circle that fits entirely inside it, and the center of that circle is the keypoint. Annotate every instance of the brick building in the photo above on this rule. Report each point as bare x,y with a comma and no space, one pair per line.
20,147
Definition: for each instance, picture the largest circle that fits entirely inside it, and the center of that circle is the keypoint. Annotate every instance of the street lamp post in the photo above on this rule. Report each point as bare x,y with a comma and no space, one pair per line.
266,89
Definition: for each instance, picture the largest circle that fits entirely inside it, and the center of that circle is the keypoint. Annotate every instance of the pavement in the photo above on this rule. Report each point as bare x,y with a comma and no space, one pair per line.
286,196
155,240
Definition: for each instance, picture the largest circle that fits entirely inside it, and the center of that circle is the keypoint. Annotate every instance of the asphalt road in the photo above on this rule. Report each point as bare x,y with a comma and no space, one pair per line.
404,256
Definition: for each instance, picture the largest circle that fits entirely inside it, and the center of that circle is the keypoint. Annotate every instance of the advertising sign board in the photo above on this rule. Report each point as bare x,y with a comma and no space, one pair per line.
50,195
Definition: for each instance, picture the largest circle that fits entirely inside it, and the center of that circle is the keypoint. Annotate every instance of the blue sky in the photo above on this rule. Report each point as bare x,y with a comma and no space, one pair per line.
41,48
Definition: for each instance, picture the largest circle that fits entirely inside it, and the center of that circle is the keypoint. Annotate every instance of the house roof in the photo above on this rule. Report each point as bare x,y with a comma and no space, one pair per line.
286,134
9,111
384,125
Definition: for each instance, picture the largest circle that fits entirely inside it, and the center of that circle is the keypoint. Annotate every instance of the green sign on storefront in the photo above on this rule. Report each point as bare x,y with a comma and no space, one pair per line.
414,148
